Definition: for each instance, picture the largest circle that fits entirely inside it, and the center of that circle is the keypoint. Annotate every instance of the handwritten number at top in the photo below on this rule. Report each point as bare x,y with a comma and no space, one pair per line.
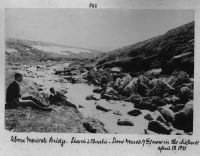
92,5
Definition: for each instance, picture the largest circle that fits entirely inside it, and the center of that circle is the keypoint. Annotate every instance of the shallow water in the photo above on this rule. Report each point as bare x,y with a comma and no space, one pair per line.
77,95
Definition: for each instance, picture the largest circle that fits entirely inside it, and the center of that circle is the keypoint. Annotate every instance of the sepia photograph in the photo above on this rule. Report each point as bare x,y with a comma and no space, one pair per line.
105,71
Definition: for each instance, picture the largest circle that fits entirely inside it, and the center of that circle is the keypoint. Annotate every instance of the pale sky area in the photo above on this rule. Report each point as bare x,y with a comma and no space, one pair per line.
100,29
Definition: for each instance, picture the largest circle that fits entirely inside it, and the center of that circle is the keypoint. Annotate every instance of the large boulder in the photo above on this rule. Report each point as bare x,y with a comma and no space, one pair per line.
159,127
167,113
158,101
111,91
143,86
99,77
179,78
130,87
110,94
184,119
125,81
117,83
135,98
185,94
161,88
110,97
144,80
177,107
121,83
145,104
172,99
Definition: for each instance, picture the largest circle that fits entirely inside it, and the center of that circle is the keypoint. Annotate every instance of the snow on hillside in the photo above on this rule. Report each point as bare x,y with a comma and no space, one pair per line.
11,50
60,50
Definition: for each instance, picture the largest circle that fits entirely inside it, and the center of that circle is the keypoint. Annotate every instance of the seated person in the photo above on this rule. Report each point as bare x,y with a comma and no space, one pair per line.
14,99
58,98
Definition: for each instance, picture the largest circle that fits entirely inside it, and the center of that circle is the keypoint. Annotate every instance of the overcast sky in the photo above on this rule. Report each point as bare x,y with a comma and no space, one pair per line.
100,29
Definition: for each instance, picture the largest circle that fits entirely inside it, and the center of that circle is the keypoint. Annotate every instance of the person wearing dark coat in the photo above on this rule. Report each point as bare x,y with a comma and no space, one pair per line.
13,94
15,100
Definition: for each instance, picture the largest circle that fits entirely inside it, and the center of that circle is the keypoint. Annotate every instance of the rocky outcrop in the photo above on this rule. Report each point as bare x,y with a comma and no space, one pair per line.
184,119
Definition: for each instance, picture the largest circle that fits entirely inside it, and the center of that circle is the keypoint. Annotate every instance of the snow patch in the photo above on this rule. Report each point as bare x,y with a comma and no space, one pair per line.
60,50
11,50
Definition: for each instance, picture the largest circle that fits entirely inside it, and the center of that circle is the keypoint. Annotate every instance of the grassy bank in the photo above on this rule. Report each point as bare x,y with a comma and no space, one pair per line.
62,119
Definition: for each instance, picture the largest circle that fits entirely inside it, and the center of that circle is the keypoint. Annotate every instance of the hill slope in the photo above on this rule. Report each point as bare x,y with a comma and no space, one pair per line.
174,49
18,50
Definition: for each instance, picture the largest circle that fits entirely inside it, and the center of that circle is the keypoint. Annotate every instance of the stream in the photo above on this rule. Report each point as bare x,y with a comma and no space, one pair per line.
76,94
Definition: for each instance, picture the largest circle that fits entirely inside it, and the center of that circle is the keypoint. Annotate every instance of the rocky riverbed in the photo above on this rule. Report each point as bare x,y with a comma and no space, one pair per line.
146,103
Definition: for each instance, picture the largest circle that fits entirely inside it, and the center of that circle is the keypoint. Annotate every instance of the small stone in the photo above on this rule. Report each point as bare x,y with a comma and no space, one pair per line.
89,127
80,106
135,112
125,122
92,97
148,117
117,113
97,90
103,108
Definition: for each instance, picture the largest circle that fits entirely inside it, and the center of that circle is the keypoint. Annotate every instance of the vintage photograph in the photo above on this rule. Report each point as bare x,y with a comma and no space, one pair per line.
115,71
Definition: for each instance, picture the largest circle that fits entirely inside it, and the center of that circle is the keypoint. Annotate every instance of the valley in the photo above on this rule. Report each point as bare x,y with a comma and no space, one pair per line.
144,88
